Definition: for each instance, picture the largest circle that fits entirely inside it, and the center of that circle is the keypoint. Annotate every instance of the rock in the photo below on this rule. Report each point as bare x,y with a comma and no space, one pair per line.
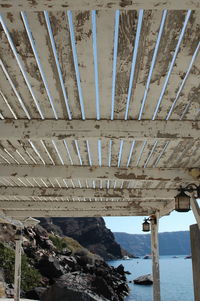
120,269
90,232
144,280
50,267
72,287
36,293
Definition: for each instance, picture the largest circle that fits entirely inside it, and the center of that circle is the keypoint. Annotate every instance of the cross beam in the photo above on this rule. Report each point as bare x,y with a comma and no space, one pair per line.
119,129
89,193
85,172
20,5
82,205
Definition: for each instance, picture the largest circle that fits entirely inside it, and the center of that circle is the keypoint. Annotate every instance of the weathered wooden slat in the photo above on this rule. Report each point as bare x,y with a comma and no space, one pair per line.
81,192
21,214
61,34
105,44
82,205
191,90
82,26
19,5
172,29
148,37
120,129
76,172
126,40
37,25
25,54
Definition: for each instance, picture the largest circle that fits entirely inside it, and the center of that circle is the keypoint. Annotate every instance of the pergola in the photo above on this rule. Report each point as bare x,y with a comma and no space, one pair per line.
99,108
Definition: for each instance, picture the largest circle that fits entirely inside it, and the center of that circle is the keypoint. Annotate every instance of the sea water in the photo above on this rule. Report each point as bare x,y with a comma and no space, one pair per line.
175,276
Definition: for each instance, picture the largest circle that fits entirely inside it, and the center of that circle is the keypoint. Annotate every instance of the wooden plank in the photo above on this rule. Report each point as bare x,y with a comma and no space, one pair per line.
18,5
80,205
80,192
25,54
172,29
191,90
69,213
61,34
126,39
119,129
78,172
195,247
148,37
105,43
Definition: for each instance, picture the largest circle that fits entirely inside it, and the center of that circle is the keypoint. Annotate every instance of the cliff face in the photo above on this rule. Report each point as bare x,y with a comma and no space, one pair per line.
89,232
170,243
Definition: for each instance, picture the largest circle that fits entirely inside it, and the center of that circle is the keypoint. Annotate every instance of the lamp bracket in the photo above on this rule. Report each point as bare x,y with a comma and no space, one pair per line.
191,188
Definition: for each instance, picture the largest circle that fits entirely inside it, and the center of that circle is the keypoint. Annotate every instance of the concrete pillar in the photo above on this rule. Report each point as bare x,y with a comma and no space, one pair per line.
17,280
195,248
155,257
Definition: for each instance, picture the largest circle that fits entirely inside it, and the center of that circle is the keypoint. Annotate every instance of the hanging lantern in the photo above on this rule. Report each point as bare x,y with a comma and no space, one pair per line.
146,226
182,202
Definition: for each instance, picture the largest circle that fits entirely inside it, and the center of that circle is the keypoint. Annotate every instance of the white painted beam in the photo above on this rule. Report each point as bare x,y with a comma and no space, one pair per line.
77,213
89,193
119,129
82,206
87,172
20,5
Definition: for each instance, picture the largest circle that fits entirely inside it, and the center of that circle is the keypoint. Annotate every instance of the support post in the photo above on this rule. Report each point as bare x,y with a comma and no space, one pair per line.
17,280
195,247
155,257
195,209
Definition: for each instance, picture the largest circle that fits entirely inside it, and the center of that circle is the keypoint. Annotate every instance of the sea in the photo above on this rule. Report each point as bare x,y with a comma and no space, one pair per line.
175,276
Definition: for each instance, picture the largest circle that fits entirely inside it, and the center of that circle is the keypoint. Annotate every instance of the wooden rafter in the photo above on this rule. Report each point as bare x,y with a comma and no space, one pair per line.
89,193
18,5
75,172
118,129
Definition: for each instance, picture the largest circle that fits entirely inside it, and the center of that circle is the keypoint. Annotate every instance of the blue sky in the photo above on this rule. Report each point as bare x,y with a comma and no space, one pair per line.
173,222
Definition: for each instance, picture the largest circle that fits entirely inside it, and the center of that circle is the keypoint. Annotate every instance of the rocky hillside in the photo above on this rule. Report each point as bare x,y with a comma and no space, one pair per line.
170,243
89,232
58,268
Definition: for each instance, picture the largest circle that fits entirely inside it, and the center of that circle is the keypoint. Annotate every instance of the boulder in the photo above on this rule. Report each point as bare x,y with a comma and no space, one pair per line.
144,280
50,267
35,294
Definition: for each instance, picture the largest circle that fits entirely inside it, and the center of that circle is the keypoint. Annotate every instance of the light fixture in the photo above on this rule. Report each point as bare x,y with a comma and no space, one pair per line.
182,200
146,225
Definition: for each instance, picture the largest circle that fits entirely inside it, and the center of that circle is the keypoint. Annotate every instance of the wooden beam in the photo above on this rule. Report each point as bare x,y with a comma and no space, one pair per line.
17,278
21,214
87,172
82,205
195,247
195,209
155,257
89,193
119,129
20,5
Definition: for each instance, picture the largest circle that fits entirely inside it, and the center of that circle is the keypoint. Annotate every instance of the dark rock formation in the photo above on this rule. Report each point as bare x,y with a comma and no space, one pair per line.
89,232
69,275
144,280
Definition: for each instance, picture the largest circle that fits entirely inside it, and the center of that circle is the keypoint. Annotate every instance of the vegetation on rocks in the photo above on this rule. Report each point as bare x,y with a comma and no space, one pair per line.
30,276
